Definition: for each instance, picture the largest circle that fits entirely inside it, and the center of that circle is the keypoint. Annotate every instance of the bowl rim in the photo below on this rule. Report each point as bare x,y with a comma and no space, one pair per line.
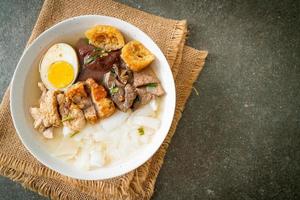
121,171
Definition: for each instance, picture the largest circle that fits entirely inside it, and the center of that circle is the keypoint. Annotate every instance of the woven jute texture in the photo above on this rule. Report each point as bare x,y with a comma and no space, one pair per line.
19,165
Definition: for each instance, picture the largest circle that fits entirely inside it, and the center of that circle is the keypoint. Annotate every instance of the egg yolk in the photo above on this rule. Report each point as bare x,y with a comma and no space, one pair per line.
60,74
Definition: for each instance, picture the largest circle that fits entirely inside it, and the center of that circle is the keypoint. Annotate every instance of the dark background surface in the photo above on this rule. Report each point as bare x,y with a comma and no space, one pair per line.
239,139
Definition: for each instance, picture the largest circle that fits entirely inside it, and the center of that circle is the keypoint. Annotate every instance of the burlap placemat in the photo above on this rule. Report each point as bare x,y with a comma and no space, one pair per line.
186,63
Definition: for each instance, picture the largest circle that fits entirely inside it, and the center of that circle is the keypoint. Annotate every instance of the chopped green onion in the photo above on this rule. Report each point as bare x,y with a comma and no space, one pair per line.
113,90
99,49
90,59
152,85
67,118
73,134
141,131
101,52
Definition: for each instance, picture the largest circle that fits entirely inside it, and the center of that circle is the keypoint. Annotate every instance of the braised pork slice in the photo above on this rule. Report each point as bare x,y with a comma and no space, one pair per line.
130,95
143,97
109,80
115,88
124,75
104,106
122,94
118,96
144,77
155,89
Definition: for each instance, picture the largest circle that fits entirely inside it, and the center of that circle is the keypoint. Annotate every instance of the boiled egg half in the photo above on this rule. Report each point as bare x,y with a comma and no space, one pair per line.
59,66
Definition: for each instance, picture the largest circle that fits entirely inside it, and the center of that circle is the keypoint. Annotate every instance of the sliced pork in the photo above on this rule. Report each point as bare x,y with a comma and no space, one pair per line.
104,106
78,95
144,77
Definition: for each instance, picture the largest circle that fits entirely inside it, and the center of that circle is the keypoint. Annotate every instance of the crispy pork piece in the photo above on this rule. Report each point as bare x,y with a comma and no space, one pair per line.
77,94
97,91
72,116
104,106
76,117
90,114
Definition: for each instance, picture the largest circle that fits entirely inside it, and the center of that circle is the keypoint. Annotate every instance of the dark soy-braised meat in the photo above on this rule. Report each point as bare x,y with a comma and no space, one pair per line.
143,97
124,75
94,62
83,48
122,95
130,95
109,80
98,67
127,89
119,98
102,62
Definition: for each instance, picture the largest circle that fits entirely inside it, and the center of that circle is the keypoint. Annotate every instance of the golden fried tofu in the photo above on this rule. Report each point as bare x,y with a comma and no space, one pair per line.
136,55
106,37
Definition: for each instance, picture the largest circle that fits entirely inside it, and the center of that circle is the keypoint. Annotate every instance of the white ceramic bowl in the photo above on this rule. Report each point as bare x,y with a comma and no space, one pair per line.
25,93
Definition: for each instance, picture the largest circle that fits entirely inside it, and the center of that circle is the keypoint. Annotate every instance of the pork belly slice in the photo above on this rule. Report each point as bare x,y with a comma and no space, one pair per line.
72,116
78,95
